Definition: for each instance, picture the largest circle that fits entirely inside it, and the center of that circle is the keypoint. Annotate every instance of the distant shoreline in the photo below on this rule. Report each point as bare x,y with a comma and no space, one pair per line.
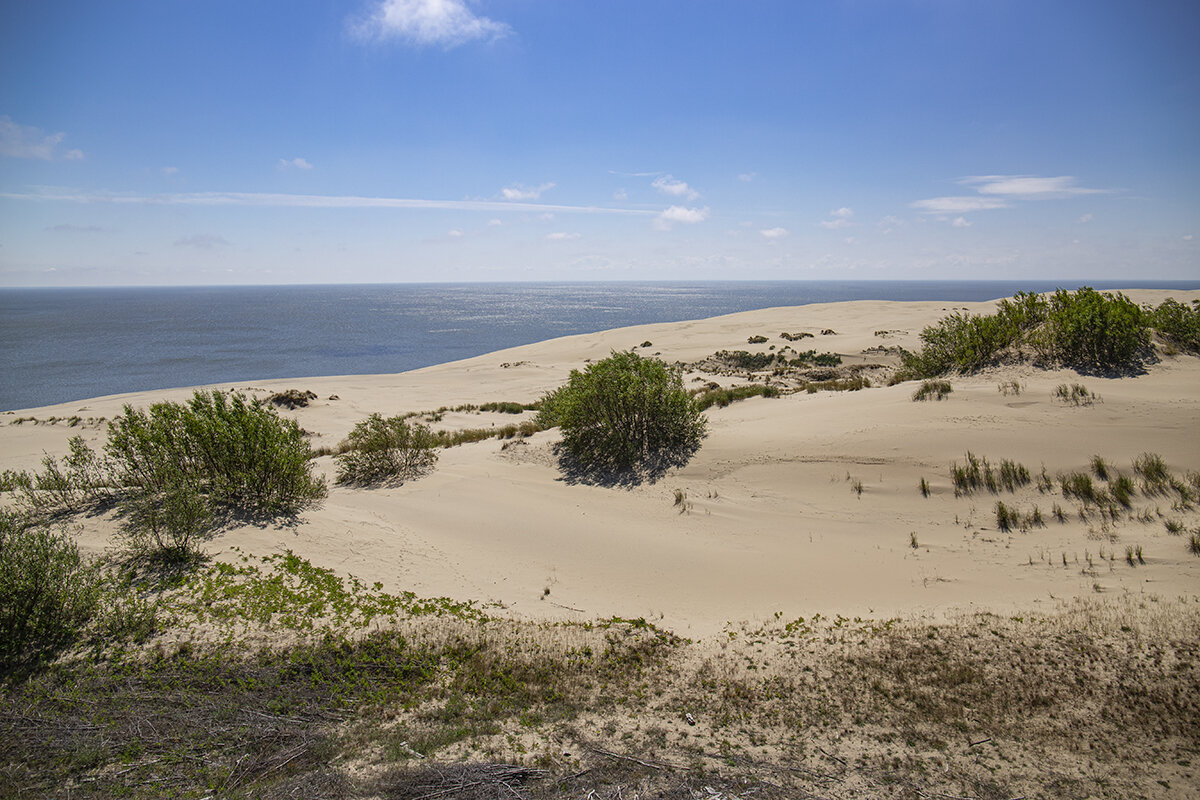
71,344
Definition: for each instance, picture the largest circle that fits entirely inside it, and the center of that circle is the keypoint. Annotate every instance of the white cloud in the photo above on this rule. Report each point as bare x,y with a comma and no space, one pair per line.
961,222
841,219
455,233
1027,185
620,195
519,192
1187,237
427,22
774,233
668,185
494,223
958,205
681,215
26,141
1086,218
169,172
271,200
298,163
561,237
201,241
746,177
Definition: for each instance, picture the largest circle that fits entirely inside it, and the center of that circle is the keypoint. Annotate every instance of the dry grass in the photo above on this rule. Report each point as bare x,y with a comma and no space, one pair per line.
244,696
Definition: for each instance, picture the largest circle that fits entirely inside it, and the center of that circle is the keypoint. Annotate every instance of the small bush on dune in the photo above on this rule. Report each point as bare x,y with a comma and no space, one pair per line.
380,449
1178,323
624,411
47,592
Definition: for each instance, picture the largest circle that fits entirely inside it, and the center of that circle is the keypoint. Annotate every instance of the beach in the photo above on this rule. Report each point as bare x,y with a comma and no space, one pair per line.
809,502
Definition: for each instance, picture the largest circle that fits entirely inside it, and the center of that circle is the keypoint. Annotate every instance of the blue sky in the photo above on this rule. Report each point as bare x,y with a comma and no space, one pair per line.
313,141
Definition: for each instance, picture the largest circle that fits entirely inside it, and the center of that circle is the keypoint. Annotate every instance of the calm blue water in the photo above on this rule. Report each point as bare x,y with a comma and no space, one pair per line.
61,345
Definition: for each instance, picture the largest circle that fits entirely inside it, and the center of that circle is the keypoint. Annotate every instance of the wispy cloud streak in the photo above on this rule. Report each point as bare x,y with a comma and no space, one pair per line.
269,200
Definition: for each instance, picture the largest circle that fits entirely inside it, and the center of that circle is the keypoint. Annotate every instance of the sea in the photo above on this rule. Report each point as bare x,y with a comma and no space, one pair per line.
66,344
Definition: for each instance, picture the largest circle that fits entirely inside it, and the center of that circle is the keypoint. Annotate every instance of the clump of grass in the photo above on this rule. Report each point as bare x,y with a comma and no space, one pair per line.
1006,518
756,339
912,540
978,473
851,384
1058,513
1121,489
935,389
1010,387
795,337
1173,526
924,488
1013,475
1099,468
1194,544
1079,486
1075,394
856,486
1155,476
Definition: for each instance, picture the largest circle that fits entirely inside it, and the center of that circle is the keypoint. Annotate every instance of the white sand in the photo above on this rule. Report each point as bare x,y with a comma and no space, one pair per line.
773,523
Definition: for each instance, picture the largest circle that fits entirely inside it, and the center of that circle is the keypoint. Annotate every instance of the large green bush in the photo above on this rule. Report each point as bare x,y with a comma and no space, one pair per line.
1086,329
382,449
47,592
181,467
624,411
1092,330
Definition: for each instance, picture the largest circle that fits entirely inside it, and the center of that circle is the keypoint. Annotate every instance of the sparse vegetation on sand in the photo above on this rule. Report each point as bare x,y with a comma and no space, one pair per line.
1087,330
721,397
936,390
359,693
624,411
1075,394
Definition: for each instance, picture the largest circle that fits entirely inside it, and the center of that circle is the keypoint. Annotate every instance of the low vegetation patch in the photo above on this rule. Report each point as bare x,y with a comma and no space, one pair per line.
721,397
978,473
1075,394
936,390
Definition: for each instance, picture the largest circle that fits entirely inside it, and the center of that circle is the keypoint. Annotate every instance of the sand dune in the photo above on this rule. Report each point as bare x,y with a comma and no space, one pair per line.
771,520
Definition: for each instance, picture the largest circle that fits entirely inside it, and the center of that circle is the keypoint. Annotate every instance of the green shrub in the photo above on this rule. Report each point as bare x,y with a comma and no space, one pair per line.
385,449
1085,329
624,411
1178,323
47,592
1092,330
181,466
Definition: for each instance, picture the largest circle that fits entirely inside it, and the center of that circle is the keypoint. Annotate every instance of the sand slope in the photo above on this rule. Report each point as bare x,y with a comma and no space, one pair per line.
771,521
